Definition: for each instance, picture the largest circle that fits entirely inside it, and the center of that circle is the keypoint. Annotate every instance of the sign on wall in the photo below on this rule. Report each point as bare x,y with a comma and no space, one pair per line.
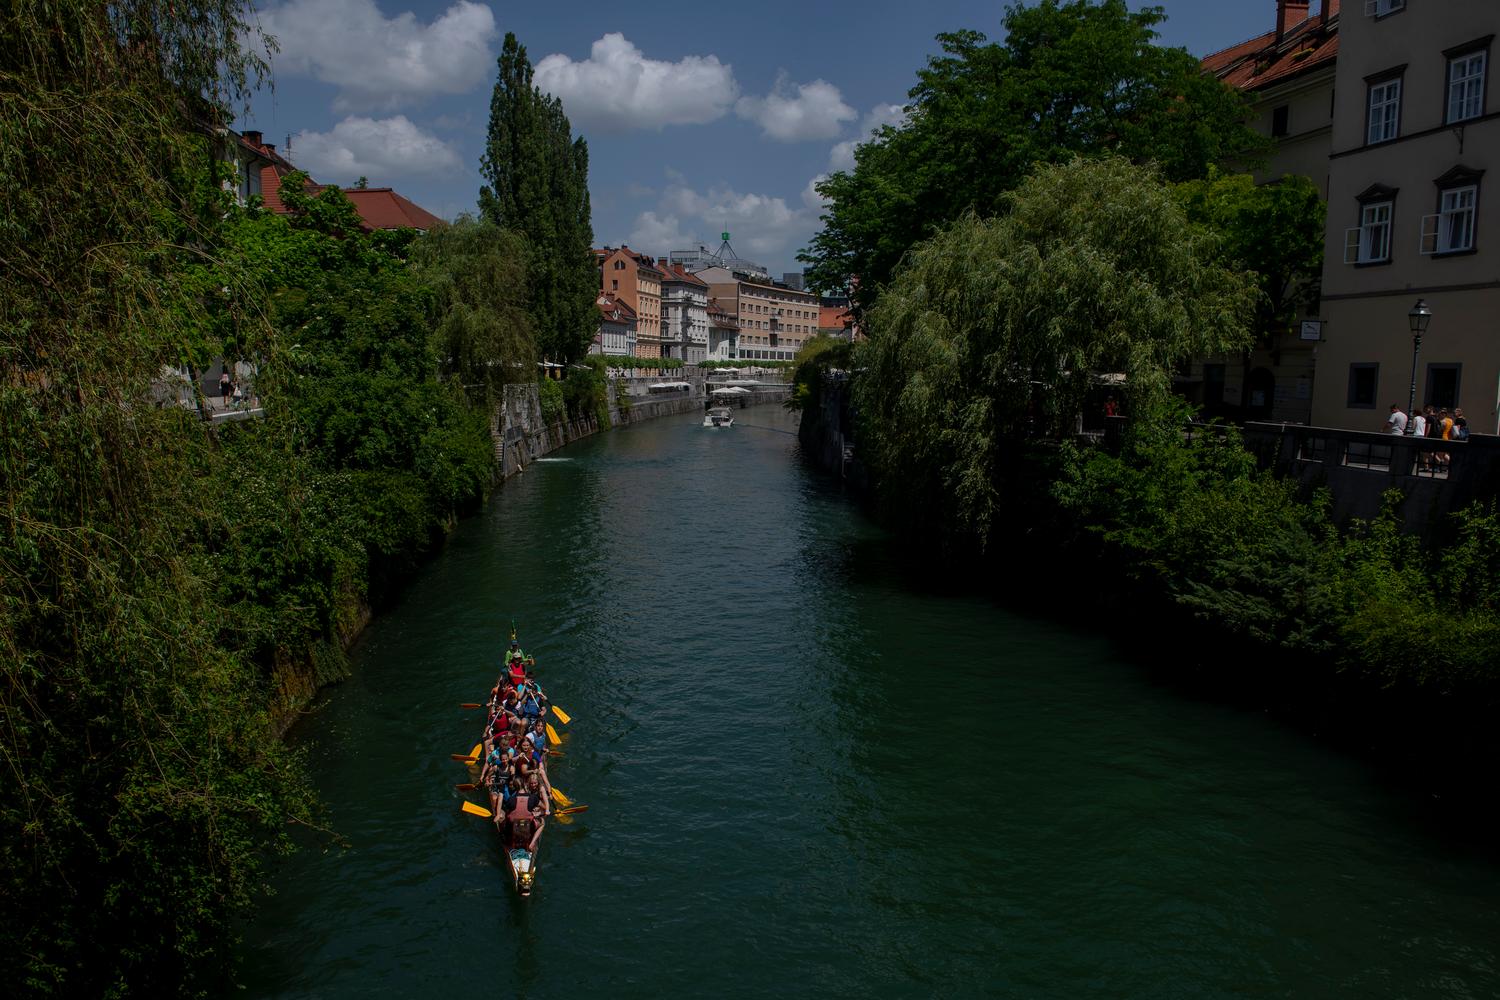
1312,329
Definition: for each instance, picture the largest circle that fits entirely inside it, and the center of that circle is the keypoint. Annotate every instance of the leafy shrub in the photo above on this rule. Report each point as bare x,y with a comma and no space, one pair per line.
554,405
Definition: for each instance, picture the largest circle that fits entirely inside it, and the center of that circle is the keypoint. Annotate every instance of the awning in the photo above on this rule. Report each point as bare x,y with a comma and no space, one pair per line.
670,385
733,390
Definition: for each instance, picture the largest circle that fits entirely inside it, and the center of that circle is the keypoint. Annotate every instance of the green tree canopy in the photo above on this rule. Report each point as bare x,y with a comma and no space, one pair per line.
143,778
1275,230
477,272
1073,77
537,185
992,330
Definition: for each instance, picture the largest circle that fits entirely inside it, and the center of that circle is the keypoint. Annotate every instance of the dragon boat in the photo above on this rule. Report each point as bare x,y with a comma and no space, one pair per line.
520,853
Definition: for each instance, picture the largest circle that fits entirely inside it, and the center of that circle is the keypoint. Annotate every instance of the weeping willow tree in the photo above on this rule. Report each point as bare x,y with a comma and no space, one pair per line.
992,331
142,777
478,274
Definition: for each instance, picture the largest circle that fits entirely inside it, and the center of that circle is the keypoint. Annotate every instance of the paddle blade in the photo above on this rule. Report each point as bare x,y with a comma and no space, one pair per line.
552,736
571,811
466,760
467,786
478,749
474,810
470,704
562,799
562,716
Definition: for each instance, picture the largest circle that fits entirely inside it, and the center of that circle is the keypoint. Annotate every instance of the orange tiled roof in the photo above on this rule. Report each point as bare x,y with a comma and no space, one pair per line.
1262,61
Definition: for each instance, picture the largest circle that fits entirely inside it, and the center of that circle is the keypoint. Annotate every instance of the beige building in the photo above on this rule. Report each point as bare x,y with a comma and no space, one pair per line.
1416,132
1288,75
774,319
635,279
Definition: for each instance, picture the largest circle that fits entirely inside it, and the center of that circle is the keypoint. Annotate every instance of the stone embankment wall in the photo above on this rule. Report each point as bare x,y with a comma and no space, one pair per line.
827,434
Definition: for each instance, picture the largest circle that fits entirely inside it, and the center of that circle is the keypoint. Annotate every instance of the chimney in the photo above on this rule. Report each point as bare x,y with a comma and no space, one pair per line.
1289,14
1330,7
253,138
270,147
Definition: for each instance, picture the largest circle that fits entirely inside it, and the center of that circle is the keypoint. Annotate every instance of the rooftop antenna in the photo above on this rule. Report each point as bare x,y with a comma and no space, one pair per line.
725,253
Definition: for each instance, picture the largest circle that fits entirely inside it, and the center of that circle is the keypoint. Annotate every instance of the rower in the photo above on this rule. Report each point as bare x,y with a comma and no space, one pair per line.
537,737
526,817
530,707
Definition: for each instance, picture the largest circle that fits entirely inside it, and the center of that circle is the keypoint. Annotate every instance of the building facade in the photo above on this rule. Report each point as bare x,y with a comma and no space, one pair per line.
635,279
684,315
1288,74
616,333
774,320
723,333
1416,132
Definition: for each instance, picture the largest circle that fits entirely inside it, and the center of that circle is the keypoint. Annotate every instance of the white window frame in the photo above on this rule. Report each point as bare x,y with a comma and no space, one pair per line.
1374,223
1380,8
1466,93
1388,109
1451,228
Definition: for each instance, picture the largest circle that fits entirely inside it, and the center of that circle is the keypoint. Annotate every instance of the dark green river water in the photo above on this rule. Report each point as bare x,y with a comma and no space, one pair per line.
809,776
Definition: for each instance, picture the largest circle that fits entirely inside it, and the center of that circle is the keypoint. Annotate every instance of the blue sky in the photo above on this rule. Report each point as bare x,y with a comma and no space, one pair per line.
698,117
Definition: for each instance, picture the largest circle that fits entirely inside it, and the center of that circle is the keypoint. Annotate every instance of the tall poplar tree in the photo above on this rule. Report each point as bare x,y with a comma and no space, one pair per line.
537,185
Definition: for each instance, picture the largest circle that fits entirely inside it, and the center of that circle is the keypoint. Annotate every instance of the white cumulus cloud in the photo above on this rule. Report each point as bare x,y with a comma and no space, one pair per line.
841,157
617,88
794,112
764,227
380,62
657,235
384,150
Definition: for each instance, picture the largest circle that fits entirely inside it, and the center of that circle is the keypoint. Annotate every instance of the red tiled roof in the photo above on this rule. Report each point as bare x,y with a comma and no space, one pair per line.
721,317
616,309
676,272
1262,61
383,208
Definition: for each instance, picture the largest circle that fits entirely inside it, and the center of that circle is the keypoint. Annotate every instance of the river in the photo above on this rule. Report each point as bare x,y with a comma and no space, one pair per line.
810,775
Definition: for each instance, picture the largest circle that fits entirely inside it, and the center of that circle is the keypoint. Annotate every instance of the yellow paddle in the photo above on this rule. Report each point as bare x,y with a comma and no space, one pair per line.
552,736
562,716
562,799
474,810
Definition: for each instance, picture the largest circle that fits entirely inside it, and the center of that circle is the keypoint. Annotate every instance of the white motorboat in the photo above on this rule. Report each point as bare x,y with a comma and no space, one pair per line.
718,416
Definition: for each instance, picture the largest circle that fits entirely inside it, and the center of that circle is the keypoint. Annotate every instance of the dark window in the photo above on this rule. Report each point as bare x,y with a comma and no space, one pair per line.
1363,377
1442,384
1213,385
1279,120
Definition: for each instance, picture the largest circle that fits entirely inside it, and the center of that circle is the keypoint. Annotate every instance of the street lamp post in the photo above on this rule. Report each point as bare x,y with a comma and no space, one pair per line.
1419,317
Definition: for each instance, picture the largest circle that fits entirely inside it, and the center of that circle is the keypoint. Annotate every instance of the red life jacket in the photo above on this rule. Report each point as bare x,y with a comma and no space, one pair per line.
522,825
